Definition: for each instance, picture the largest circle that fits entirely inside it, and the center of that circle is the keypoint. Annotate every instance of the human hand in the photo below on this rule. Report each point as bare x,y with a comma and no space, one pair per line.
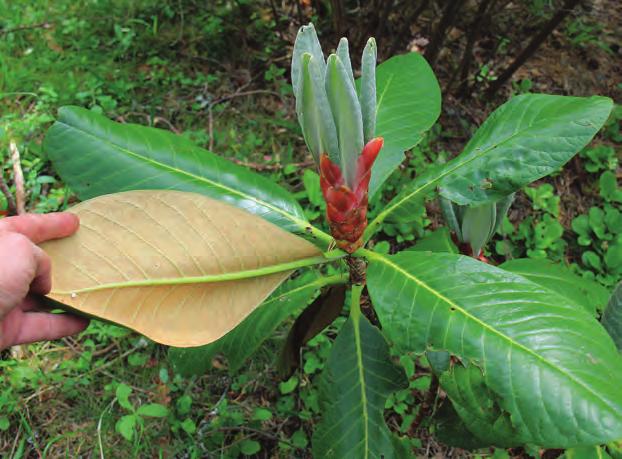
24,272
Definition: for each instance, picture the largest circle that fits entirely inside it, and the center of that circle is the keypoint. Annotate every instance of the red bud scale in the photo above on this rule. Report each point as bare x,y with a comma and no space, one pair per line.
346,208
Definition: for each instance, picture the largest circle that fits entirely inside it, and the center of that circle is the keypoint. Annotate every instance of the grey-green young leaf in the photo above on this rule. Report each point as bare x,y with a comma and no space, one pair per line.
477,225
346,112
306,42
314,111
448,209
343,52
368,89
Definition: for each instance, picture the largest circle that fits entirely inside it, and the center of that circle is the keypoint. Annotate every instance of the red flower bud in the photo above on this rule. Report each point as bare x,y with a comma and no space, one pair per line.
346,208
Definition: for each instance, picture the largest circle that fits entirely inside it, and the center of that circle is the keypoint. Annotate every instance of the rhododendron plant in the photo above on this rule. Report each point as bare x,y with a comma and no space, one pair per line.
196,252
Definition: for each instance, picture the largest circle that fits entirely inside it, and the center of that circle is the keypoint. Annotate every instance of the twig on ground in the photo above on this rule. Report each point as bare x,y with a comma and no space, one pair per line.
99,429
18,178
41,25
210,127
270,167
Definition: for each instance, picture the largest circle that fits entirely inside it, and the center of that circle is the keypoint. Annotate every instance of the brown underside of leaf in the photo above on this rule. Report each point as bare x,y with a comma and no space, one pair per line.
159,235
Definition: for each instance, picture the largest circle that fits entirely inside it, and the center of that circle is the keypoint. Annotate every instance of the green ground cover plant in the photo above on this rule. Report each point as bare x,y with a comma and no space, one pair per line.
509,344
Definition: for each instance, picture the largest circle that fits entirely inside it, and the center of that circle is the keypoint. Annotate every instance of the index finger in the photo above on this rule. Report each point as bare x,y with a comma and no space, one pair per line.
42,227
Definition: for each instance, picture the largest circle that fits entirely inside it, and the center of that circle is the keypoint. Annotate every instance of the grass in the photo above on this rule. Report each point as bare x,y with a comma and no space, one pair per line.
169,64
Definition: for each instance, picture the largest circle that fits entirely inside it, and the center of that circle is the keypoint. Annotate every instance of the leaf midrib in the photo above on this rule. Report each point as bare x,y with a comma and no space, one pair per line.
299,223
210,278
484,325
359,361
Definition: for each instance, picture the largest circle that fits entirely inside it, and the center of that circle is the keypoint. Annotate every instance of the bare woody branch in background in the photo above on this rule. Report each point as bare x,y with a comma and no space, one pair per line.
482,14
447,20
532,47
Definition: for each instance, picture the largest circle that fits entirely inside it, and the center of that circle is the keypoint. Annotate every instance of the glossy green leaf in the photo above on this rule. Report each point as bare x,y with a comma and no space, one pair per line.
314,111
241,342
451,430
477,409
346,111
550,365
558,278
358,378
408,104
612,317
437,241
96,156
306,42
368,89
586,452
525,139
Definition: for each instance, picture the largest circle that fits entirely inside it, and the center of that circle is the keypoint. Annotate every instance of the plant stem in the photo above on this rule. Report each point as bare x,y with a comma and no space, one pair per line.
358,278
266,270
426,405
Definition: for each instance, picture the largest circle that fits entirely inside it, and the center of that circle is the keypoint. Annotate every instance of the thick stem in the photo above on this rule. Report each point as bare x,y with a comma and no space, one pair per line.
532,47
358,279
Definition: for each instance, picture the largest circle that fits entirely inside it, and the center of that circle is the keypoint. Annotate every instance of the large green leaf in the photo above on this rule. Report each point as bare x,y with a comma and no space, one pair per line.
96,156
612,317
358,378
584,292
525,139
408,104
241,342
551,366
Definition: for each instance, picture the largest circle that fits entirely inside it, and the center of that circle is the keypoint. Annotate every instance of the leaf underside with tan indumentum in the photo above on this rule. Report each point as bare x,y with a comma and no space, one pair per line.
178,267
240,343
